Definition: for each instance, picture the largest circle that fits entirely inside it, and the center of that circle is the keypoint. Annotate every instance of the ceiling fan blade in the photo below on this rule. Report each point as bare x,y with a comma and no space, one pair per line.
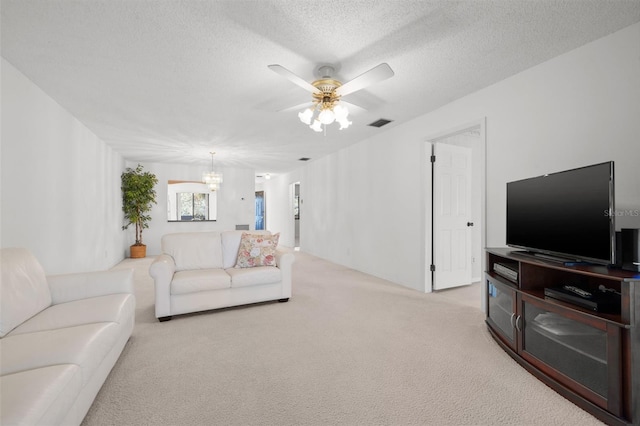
299,107
353,108
279,69
374,75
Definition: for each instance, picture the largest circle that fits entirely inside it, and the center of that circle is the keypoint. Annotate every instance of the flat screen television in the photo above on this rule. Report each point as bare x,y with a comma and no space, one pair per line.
569,214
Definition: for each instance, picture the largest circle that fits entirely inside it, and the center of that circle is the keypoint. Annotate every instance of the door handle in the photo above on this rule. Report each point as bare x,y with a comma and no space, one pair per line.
513,324
469,223
518,326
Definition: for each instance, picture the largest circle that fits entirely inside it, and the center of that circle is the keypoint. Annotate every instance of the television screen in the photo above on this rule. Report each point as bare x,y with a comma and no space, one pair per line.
569,214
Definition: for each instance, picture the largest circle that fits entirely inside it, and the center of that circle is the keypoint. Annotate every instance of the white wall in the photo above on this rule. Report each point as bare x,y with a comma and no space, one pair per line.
60,184
235,198
279,207
364,206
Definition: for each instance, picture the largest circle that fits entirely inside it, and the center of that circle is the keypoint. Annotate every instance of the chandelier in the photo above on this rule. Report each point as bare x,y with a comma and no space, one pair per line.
211,178
326,108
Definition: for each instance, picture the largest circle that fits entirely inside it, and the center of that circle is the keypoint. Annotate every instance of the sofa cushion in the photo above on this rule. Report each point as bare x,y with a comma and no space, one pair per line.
110,308
245,277
40,396
194,250
84,345
257,250
199,280
25,291
231,245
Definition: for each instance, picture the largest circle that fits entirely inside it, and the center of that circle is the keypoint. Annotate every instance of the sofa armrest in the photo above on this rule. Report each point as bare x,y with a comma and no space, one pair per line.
69,287
162,270
284,260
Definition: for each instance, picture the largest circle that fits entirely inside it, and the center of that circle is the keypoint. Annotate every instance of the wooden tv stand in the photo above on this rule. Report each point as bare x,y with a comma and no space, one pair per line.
591,358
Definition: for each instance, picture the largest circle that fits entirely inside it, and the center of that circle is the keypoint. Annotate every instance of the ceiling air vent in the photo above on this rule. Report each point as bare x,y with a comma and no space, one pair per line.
379,123
304,159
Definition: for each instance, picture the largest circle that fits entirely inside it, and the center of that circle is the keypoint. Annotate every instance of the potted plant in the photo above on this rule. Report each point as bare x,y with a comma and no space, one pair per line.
138,194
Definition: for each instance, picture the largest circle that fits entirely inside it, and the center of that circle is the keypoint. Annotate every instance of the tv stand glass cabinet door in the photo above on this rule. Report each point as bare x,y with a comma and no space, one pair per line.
501,311
582,351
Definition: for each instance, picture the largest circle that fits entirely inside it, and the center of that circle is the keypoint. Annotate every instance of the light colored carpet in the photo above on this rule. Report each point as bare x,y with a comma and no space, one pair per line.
347,349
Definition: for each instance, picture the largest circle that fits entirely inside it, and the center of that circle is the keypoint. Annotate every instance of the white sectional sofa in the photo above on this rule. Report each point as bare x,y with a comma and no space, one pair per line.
196,272
60,337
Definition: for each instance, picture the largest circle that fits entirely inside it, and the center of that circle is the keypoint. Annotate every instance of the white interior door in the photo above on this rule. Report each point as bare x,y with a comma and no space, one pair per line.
451,216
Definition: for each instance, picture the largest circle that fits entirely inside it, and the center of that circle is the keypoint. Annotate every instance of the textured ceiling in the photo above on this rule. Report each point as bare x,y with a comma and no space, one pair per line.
170,81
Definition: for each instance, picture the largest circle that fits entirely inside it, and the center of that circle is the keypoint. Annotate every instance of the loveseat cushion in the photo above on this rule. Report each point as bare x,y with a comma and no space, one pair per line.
39,394
194,250
258,275
199,280
231,244
25,291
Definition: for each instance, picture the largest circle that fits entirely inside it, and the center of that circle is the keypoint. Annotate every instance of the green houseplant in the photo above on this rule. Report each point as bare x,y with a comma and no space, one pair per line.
138,195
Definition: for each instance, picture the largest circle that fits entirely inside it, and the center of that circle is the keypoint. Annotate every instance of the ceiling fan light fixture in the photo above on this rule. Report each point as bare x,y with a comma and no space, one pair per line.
344,123
326,116
341,112
306,116
316,126
327,92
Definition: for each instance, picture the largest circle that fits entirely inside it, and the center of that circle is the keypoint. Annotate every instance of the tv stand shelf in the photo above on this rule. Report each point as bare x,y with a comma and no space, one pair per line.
591,358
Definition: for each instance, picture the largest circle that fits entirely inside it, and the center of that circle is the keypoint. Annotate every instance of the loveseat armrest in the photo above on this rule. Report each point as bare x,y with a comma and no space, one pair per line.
284,260
162,270
70,287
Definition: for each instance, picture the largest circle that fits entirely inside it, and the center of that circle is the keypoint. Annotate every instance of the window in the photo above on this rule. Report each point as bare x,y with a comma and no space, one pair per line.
193,206
191,201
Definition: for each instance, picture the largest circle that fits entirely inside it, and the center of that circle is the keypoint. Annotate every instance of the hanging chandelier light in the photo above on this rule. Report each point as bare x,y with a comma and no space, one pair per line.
326,107
211,178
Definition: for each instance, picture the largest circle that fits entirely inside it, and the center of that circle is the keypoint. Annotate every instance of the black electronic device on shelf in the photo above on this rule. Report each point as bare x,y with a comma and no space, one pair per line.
628,249
508,270
602,300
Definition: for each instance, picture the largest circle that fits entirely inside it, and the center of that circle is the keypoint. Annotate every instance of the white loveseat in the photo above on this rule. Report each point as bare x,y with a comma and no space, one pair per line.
196,272
60,337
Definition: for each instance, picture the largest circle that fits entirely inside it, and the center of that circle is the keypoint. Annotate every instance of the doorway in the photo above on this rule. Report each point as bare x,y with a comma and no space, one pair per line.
261,220
296,214
455,238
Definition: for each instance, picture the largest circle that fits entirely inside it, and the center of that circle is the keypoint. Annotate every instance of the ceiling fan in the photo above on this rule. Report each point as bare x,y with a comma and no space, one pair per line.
327,105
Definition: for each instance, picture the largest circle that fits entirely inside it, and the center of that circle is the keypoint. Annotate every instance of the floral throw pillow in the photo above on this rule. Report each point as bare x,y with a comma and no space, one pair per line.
257,250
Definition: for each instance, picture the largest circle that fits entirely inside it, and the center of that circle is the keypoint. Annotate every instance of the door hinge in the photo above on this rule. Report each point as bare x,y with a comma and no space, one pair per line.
433,268
433,158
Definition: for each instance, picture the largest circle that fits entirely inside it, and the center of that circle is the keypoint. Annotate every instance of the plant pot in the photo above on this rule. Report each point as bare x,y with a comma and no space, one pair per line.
138,252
